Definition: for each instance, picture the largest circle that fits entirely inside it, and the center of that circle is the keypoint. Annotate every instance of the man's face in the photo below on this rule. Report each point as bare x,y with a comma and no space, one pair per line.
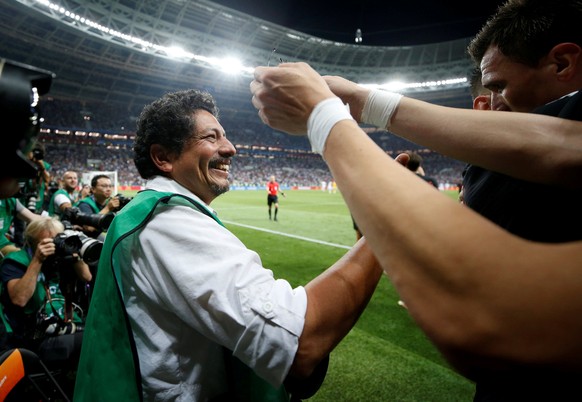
515,86
204,163
70,181
102,190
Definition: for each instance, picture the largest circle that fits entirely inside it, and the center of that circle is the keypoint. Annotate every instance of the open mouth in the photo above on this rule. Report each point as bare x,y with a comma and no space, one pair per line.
222,166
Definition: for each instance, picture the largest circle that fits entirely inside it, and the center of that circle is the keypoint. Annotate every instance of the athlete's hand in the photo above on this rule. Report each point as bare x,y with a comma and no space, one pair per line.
350,93
286,95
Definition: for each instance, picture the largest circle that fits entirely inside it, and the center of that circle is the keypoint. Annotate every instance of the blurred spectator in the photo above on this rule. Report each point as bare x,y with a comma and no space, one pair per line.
415,165
10,209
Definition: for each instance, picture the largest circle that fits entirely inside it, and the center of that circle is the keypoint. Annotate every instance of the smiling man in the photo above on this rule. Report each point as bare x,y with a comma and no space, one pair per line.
182,310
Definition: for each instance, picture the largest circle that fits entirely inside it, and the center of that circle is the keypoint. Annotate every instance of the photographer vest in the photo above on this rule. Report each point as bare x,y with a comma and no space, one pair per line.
91,202
109,365
52,211
7,214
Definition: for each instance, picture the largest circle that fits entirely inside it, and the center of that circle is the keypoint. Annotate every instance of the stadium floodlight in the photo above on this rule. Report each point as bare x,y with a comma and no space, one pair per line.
231,65
396,86
178,52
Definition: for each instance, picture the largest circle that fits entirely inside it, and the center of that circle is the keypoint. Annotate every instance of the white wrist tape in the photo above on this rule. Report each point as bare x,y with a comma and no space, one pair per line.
380,107
324,116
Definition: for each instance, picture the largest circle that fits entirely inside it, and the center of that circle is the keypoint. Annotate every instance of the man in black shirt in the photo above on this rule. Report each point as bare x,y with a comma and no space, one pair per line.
538,73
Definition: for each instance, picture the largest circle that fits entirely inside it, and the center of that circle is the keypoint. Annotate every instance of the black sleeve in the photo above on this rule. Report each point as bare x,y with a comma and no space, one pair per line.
567,107
85,208
11,270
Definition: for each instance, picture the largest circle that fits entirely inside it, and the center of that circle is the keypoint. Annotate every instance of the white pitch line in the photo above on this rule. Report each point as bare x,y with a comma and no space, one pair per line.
288,235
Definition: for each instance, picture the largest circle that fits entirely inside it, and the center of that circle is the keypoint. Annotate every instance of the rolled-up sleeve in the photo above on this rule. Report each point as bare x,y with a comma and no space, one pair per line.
203,274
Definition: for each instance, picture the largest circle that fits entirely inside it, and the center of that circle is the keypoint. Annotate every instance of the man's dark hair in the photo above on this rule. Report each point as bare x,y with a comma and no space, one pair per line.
526,30
414,162
96,178
169,122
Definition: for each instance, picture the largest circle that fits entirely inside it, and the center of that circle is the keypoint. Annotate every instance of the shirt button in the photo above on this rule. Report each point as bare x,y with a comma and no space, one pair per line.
268,307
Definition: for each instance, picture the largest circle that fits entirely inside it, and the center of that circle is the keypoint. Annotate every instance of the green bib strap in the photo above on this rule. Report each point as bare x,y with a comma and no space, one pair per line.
51,209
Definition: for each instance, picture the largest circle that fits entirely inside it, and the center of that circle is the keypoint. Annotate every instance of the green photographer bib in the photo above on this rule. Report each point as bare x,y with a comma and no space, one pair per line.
109,365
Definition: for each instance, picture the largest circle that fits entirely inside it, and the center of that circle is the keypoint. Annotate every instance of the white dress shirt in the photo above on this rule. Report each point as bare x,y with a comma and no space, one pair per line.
193,287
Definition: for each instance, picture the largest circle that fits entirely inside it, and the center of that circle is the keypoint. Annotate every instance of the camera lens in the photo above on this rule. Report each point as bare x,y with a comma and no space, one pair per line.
91,250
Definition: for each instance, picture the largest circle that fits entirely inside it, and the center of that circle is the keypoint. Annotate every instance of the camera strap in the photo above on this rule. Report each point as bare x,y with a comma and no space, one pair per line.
65,318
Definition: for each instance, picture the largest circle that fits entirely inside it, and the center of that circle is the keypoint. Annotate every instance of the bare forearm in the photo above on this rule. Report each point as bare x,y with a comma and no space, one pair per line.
21,290
82,270
46,176
336,299
478,292
28,216
527,146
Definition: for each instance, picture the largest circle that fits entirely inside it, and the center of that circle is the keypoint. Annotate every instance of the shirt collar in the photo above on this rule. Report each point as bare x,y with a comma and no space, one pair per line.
161,183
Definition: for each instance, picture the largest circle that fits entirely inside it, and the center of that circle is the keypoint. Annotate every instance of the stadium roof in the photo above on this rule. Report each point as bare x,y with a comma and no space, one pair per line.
381,22
117,51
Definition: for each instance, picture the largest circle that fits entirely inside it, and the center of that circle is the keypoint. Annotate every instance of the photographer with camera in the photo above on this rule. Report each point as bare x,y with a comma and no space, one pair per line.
11,210
99,202
33,191
38,186
64,198
36,294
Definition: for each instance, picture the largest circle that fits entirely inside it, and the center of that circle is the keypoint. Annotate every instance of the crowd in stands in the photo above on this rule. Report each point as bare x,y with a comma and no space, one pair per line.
260,154
72,114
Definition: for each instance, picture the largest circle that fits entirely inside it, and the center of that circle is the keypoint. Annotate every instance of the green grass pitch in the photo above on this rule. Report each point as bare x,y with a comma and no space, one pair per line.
385,357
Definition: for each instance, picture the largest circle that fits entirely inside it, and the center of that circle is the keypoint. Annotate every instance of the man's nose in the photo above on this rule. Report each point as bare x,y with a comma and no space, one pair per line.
226,148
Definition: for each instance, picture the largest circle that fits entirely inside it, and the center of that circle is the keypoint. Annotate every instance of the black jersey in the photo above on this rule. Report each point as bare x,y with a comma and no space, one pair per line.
537,212
533,211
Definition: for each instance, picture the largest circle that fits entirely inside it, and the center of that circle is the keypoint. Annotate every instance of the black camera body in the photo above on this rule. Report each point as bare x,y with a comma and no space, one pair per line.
27,196
99,221
123,200
37,154
52,188
21,86
72,242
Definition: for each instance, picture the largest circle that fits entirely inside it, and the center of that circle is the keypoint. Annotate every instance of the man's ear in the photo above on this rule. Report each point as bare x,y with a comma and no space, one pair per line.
567,57
482,102
161,158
